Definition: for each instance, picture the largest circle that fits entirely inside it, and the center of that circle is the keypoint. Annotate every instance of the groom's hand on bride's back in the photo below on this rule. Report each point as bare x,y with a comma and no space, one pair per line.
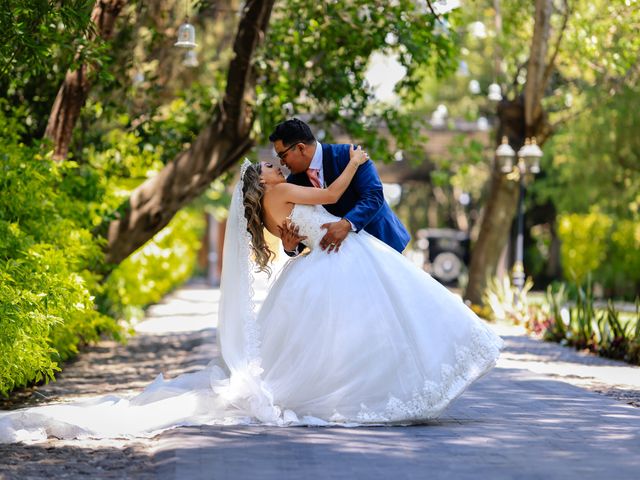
336,233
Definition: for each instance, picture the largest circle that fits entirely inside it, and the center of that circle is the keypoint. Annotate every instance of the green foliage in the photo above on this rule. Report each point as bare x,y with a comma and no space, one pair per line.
602,247
621,270
47,251
506,301
39,41
120,159
596,158
162,264
555,321
583,243
31,31
315,60
578,322
569,315
46,304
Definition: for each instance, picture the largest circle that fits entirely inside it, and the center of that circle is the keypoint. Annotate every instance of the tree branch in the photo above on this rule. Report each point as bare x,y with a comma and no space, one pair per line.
433,10
551,65
219,145
74,91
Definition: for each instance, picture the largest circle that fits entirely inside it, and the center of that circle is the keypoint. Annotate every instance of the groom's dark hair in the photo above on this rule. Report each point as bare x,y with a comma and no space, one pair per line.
292,131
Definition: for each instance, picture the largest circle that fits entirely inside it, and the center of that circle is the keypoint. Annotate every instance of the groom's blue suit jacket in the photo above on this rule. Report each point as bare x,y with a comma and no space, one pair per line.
363,202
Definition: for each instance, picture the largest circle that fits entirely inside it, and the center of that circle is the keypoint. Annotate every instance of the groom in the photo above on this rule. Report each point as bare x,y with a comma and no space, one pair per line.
362,206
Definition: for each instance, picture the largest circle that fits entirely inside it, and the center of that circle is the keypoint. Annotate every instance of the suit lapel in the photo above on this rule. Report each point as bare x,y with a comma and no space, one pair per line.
328,165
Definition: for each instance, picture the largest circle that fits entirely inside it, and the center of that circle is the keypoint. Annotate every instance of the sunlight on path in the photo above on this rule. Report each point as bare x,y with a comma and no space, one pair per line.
549,359
196,308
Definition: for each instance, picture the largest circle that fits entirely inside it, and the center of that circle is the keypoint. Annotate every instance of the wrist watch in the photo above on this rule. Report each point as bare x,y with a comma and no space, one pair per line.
298,250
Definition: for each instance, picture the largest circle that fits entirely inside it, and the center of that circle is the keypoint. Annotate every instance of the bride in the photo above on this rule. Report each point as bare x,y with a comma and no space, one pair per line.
358,336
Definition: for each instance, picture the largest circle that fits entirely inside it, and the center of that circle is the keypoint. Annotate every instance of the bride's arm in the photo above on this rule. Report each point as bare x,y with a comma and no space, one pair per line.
331,194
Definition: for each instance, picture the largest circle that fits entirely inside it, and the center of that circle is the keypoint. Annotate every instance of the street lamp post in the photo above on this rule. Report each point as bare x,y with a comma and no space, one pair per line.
528,165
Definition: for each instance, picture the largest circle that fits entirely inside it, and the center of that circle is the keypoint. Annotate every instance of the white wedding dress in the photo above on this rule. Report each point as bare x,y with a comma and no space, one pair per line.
357,337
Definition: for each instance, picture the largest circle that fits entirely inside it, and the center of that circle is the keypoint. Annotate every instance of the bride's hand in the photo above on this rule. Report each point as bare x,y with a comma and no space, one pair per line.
290,236
358,155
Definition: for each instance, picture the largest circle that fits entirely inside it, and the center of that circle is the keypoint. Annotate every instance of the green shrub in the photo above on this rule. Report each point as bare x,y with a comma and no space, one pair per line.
603,247
577,322
48,293
568,315
621,270
584,243
46,305
162,264
506,301
123,158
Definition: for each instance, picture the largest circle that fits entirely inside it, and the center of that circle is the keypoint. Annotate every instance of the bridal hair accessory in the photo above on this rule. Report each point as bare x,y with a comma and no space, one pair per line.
243,168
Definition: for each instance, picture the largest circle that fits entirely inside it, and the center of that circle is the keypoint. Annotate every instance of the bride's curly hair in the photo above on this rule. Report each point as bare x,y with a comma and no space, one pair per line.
252,195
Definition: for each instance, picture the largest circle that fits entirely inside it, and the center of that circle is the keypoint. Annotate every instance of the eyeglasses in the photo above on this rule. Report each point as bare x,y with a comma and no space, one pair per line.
283,153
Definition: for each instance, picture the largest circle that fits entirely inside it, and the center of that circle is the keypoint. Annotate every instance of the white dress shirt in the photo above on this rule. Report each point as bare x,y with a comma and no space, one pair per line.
316,162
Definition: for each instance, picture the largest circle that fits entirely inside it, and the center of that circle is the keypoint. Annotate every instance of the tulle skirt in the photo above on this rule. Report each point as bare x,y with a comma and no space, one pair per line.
357,337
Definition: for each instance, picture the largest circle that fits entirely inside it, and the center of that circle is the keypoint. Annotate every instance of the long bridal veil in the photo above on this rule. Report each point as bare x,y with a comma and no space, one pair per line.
238,335
227,391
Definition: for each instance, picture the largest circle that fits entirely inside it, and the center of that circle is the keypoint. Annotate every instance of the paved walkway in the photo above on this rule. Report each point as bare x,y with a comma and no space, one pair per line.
537,415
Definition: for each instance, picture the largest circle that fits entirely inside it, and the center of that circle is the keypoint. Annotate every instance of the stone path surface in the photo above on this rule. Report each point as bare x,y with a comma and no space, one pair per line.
537,415
178,336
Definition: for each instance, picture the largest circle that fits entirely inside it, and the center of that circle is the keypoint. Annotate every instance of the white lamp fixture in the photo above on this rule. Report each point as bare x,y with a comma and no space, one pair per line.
495,93
186,32
186,36
190,59
392,193
440,7
505,155
474,87
439,117
531,154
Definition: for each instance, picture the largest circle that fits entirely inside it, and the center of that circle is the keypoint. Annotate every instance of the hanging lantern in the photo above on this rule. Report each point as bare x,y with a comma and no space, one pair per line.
439,117
440,7
474,87
190,59
477,29
505,155
186,36
495,94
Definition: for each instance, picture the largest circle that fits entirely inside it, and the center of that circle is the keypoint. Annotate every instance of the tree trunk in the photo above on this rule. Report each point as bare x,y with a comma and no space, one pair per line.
220,145
517,119
76,86
536,66
500,208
